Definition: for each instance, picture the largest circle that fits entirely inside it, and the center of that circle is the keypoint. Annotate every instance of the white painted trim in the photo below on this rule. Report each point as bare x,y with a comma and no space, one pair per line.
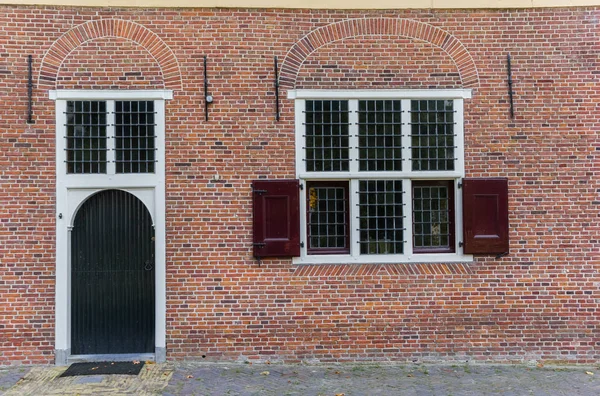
415,175
117,357
111,153
354,213
353,151
74,189
459,139
407,213
108,94
381,94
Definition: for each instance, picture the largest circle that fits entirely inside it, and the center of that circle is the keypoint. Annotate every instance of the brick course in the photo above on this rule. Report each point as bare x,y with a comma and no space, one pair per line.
541,302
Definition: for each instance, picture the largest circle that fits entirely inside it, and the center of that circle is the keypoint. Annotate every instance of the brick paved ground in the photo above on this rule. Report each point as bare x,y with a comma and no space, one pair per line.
195,378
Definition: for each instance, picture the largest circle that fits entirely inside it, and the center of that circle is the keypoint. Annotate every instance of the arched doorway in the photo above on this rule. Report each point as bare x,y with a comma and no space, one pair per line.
112,276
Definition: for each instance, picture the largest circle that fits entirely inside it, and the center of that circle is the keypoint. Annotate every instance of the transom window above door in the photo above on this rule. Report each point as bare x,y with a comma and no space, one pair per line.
102,132
108,134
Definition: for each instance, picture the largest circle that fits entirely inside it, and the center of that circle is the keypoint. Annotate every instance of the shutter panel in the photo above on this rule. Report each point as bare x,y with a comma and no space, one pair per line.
485,215
276,228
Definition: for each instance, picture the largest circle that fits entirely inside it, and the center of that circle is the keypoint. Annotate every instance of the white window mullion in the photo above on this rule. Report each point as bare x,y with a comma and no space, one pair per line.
407,212
354,219
110,138
300,106
353,132
354,166
406,140
459,139
458,219
303,220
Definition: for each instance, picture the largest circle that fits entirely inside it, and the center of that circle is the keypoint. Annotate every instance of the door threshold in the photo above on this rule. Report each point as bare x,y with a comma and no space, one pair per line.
117,357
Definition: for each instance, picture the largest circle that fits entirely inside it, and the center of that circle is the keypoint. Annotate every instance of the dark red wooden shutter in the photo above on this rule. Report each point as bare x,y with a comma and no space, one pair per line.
485,215
276,228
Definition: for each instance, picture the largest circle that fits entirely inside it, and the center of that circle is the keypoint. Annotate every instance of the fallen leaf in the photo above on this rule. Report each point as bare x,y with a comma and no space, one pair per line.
150,362
265,373
540,365
189,376
340,394
94,368
410,375
112,363
589,373
136,362
337,372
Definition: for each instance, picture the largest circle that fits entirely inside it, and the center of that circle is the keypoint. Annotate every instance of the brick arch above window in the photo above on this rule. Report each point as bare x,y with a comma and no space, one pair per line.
88,31
350,28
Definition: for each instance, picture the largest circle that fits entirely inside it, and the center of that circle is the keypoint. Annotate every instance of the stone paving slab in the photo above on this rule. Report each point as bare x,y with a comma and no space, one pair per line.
376,379
202,378
10,375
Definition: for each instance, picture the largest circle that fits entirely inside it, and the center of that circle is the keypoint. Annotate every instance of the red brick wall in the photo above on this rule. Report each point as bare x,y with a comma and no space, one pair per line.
538,303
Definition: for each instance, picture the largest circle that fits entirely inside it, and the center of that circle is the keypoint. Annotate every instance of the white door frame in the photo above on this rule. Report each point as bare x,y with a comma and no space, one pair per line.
73,190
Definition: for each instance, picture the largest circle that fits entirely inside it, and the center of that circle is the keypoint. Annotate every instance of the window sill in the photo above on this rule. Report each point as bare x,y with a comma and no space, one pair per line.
384,259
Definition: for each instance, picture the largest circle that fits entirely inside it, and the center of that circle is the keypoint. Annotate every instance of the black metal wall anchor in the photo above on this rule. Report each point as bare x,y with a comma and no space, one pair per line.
30,89
276,91
207,97
510,87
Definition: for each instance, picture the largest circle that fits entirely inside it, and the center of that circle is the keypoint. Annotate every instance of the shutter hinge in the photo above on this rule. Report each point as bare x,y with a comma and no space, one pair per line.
501,255
301,186
260,192
460,244
459,185
259,245
301,244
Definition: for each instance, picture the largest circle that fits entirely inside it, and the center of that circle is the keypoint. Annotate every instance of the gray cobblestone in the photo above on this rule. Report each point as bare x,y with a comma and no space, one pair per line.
201,378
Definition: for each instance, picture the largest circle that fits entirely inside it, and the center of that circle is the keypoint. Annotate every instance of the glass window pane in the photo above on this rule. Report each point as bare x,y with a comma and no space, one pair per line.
380,135
327,217
327,135
381,217
135,136
432,130
433,219
86,136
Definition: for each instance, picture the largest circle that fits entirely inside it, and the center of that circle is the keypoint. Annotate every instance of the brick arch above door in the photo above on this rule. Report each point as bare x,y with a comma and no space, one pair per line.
351,28
103,28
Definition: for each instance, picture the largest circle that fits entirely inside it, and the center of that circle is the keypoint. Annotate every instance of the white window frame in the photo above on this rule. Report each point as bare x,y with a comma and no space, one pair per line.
73,189
406,175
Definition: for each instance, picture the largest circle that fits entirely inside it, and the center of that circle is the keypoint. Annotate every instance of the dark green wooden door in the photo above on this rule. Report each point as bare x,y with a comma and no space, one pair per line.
112,282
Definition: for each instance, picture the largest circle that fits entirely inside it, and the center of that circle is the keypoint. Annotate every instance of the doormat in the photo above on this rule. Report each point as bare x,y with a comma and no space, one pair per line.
104,368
